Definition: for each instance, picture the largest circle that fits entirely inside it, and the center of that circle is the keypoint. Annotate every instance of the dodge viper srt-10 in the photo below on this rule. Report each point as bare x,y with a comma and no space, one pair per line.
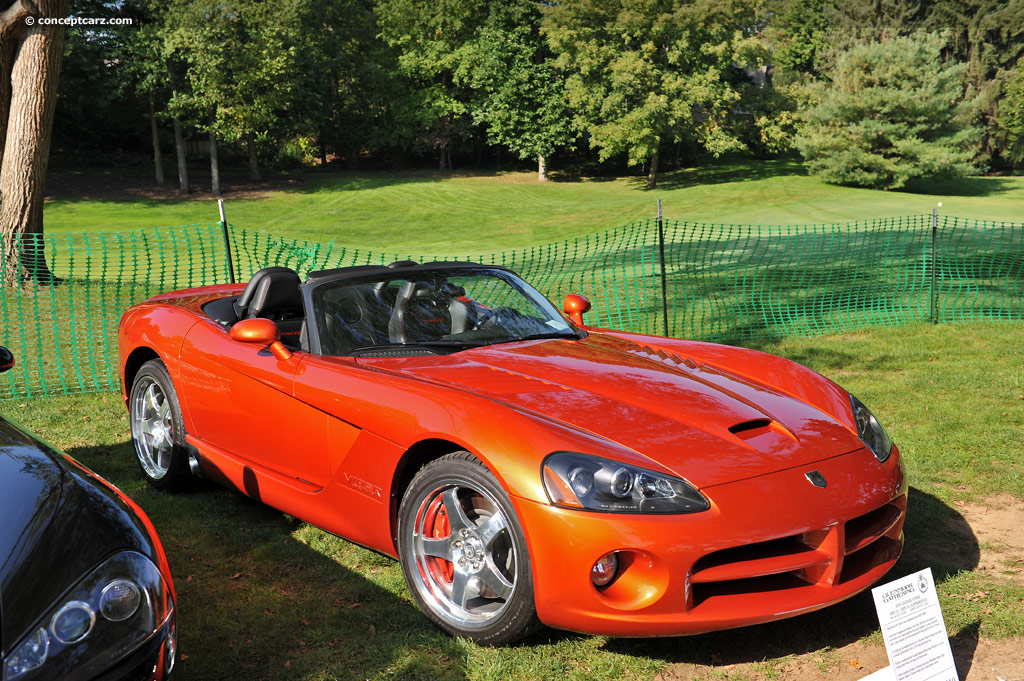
85,591
522,467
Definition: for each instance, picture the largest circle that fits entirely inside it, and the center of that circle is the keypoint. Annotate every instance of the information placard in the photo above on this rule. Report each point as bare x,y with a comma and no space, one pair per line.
913,629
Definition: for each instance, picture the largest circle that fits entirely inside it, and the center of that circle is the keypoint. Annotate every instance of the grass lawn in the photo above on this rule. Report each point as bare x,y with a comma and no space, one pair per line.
481,213
263,596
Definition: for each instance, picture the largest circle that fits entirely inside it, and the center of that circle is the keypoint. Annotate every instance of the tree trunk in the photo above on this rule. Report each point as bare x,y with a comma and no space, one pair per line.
441,163
12,27
542,168
323,150
214,165
158,159
179,149
254,163
35,56
652,172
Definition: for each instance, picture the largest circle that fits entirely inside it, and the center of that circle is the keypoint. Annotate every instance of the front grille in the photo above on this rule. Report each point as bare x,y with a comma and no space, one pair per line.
826,557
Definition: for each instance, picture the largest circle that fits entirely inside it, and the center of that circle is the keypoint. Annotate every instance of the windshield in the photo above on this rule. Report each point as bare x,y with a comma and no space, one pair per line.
431,312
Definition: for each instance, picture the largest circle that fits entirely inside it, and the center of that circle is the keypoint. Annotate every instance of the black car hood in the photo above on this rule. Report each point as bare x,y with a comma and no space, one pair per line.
57,522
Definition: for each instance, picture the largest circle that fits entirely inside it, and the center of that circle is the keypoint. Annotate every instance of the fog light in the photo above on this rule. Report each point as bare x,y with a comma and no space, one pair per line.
604,569
73,622
119,600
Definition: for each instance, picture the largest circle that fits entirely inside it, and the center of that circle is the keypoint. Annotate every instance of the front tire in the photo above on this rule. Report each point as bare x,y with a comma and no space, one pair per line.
158,431
464,553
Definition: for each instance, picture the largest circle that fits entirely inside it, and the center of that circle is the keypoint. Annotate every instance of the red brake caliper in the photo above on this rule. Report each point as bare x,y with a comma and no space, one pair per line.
437,522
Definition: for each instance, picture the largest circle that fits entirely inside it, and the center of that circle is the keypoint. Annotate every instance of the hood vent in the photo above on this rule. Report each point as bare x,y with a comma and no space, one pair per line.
749,425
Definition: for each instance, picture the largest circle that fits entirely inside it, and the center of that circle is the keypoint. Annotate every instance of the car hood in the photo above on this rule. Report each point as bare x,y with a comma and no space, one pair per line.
58,523
701,422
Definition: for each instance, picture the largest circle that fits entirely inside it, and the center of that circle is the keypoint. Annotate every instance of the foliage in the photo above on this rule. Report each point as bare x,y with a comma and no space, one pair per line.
240,62
430,38
641,74
988,35
1011,116
799,30
520,92
894,111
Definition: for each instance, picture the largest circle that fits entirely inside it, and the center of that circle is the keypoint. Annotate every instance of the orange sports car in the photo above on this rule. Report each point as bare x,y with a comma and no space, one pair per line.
523,467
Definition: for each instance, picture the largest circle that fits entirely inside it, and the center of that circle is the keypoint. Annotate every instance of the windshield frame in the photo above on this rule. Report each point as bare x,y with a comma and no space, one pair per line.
312,292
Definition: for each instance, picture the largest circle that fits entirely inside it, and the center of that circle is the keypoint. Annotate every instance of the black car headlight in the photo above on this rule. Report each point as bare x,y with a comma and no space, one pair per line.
587,482
871,431
106,616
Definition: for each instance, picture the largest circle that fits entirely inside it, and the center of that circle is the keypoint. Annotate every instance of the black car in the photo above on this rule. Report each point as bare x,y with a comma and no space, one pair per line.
85,590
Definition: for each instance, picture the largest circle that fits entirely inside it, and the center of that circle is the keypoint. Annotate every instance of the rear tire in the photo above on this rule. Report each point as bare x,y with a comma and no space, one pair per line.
158,431
463,552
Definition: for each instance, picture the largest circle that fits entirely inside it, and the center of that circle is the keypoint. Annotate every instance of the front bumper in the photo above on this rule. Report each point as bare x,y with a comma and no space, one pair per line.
770,547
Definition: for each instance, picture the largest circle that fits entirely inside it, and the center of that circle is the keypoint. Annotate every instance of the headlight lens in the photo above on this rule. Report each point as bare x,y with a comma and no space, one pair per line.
588,482
117,607
871,431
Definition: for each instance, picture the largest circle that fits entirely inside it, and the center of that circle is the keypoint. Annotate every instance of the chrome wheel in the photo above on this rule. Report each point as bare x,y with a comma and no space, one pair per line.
464,553
465,559
152,427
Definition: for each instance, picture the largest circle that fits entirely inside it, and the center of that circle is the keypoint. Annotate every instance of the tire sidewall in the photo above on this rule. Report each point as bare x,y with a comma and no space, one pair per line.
464,470
178,474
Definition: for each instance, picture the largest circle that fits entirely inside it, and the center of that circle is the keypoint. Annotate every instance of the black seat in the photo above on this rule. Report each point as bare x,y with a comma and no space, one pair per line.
273,293
420,314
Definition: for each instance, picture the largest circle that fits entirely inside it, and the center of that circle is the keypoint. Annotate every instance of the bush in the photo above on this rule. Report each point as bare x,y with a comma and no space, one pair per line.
893,111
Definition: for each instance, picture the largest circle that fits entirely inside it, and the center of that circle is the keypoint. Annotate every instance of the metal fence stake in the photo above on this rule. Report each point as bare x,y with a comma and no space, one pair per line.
934,265
227,241
664,275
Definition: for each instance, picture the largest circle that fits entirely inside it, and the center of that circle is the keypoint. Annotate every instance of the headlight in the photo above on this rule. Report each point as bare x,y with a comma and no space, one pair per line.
107,615
871,431
588,482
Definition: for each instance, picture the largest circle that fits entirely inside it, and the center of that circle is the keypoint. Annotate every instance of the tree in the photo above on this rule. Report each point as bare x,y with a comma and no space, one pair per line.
799,30
988,35
893,111
520,92
240,73
1011,117
645,73
430,35
30,57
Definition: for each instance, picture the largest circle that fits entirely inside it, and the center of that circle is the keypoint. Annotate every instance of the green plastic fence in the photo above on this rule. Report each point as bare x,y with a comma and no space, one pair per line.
726,283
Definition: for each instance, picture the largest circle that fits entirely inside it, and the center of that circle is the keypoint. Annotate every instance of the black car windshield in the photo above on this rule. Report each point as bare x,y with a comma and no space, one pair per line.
431,311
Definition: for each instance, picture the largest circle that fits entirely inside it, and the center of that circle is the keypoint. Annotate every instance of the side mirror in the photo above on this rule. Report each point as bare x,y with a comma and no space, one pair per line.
6,359
574,306
263,332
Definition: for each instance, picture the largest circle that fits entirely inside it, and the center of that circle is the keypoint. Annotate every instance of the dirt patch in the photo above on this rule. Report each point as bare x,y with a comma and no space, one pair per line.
998,525
140,186
975,661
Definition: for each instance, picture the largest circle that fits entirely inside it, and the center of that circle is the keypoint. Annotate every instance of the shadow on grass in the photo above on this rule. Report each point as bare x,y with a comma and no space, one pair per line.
964,186
256,600
936,536
736,170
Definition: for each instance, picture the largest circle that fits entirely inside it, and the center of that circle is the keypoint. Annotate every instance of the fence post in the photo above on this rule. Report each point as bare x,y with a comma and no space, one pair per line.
227,241
934,265
664,276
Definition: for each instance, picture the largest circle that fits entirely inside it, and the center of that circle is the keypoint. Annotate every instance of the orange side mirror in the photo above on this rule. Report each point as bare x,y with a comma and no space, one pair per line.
574,306
263,332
